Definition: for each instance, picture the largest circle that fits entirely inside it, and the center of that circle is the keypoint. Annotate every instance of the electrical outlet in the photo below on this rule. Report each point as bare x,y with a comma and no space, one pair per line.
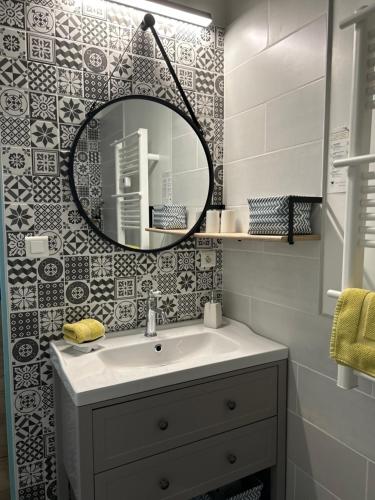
36,246
208,259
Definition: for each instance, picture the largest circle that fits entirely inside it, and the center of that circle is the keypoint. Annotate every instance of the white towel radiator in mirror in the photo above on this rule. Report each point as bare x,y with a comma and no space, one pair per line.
132,188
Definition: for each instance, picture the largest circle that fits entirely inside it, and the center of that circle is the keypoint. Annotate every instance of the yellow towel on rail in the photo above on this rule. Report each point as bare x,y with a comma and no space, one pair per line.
83,331
353,331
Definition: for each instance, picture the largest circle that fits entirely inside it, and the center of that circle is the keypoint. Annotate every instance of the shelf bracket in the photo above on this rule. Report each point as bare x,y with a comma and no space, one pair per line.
291,202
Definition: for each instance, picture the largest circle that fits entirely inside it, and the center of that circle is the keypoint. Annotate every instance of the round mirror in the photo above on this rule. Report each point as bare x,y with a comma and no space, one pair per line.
141,173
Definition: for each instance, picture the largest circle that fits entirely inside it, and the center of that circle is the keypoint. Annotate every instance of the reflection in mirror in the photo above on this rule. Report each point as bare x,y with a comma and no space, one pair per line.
140,173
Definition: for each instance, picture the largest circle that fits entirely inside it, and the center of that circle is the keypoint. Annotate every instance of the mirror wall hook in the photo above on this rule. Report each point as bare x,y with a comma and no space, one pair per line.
147,22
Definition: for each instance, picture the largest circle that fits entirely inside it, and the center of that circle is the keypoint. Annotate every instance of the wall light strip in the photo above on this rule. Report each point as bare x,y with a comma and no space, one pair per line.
172,10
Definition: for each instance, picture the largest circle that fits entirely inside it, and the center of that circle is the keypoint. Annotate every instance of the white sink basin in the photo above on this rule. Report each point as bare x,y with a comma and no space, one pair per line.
157,352
130,363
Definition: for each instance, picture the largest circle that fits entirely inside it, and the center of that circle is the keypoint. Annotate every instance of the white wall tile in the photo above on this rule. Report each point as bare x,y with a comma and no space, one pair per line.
371,481
298,249
308,489
290,171
348,415
289,282
273,278
335,466
185,188
306,335
247,34
241,272
292,385
244,245
288,65
296,118
290,480
287,16
244,135
332,248
184,153
237,306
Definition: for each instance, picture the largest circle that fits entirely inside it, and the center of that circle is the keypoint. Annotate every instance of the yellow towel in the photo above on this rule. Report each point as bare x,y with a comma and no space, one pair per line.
353,331
83,331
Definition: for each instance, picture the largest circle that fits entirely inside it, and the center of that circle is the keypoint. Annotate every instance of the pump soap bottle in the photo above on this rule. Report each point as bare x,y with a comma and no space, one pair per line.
213,317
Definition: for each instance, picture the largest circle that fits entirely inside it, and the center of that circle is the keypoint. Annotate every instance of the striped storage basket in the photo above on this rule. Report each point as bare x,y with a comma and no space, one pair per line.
169,217
271,216
253,493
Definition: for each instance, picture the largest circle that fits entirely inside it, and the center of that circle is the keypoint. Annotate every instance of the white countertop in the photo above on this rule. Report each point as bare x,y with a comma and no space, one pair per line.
91,378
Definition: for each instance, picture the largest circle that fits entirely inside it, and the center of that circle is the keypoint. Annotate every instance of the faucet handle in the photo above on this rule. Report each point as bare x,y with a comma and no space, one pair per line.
154,293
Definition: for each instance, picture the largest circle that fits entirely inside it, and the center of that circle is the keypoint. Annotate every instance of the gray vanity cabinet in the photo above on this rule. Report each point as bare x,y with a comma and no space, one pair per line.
176,442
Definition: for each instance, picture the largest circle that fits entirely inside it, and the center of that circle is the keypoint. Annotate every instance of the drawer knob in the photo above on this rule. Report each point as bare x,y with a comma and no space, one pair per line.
232,459
164,484
163,425
231,404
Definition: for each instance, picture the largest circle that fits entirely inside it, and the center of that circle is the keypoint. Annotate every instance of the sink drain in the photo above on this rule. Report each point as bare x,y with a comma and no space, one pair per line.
158,347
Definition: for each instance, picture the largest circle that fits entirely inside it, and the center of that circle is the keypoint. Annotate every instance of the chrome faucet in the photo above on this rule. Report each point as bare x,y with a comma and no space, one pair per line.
152,313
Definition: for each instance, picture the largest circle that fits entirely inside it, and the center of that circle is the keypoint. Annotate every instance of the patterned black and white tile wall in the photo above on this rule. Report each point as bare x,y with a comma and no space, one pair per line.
55,56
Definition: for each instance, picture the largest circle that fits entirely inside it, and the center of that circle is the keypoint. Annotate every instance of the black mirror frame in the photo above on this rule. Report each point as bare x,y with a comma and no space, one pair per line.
80,207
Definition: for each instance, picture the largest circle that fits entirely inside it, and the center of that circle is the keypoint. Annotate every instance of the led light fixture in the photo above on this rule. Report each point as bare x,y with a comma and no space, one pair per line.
170,9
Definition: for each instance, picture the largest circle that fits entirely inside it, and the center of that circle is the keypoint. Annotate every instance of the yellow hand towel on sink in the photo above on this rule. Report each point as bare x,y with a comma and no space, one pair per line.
353,331
83,331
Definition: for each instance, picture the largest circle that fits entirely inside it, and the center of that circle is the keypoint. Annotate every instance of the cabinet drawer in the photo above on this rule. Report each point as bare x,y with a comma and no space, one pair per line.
193,469
129,431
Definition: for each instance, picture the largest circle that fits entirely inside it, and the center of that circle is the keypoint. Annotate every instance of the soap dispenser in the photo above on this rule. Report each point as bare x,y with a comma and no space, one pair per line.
213,317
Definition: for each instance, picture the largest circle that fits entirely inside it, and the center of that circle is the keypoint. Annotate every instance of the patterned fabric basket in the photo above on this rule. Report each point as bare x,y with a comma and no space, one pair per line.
271,216
253,493
169,217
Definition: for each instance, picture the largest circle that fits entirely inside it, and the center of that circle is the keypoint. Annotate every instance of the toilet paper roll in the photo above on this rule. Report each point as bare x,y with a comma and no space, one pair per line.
212,221
228,221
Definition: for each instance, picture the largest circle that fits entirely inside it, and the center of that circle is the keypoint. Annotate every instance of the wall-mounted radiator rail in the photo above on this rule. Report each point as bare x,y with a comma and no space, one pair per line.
359,229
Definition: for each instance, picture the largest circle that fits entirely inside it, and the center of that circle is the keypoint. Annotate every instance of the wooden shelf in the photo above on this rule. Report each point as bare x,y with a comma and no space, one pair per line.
237,236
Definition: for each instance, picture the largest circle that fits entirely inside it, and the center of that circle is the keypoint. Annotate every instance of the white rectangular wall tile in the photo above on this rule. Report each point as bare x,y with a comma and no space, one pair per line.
241,272
245,134
273,278
297,117
335,466
306,335
344,415
286,66
308,489
287,16
290,171
290,282
290,480
247,34
292,385
371,481
237,307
